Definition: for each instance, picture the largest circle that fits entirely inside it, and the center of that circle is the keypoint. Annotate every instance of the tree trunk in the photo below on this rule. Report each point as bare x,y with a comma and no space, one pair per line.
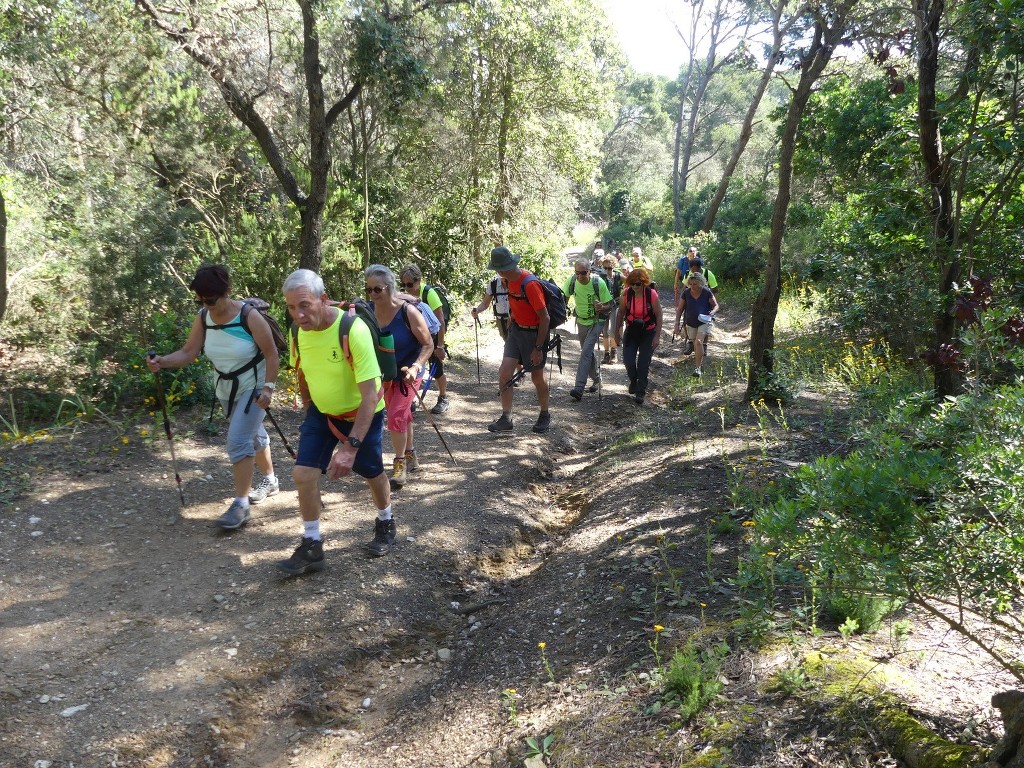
747,130
3,256
929,17
503,193
766,306
677,225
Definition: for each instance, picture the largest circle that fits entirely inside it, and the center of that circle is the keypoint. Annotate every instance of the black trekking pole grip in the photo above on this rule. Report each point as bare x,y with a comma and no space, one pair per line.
167,428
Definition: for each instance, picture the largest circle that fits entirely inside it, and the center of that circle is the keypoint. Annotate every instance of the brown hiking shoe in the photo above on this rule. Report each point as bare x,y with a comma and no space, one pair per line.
411,462
398,475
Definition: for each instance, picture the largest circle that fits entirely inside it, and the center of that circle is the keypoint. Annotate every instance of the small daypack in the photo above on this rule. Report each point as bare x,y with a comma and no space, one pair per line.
553,297
496,286
248,305
446,305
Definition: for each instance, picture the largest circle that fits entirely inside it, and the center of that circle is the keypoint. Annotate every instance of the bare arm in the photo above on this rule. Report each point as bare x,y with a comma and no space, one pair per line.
184,356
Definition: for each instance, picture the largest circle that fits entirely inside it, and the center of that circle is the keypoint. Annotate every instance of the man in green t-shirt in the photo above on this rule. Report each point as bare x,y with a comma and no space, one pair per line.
344,403
592,298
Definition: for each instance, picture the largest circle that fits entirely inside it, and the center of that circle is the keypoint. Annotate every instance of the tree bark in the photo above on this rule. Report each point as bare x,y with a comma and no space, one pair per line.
3,256
747,130
929,13
766,306
503,193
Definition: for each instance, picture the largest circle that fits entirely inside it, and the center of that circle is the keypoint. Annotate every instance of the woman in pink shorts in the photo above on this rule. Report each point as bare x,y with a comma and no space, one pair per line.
399,314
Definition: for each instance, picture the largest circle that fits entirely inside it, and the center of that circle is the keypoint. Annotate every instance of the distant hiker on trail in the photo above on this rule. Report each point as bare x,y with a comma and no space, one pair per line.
695,266
341,391
637,260
697,306
527,338
412,283
398,315
615,281
496,294
640,314
238,341
592,299
682,270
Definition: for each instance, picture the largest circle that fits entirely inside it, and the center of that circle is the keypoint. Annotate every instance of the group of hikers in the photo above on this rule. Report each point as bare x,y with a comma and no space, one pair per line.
348,400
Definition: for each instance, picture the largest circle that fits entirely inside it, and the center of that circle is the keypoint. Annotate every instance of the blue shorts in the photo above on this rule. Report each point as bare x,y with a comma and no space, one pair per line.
317,443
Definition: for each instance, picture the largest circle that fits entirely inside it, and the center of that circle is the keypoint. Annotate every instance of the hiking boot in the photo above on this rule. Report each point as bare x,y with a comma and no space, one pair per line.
398,476
607,358
236,516
383,537
696,373
441,406
613,355
411,462
543,422
638,399
632,387
576,394
687,347
592,388
503,424
307,557
264,489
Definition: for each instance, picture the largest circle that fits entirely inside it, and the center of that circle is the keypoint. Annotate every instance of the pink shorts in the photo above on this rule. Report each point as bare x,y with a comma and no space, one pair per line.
399,405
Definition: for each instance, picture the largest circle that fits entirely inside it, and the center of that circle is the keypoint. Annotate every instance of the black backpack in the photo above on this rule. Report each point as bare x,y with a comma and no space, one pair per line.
248,305
553,297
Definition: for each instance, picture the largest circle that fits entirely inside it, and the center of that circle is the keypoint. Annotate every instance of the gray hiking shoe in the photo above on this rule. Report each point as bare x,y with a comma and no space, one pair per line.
441,406
236,516
263,490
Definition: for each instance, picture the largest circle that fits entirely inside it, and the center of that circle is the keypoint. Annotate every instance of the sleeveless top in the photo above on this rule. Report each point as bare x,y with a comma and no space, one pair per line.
407,346
639,308
230,349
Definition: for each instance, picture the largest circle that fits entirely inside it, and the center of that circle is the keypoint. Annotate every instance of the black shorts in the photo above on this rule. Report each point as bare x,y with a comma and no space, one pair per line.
520,345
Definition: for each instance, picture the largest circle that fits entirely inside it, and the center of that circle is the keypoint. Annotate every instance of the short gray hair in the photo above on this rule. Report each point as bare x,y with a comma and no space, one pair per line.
698,277
304,278
412,271
382,273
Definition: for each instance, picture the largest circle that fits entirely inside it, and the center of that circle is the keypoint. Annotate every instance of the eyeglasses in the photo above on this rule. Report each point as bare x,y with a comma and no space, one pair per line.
584,273
410,285
207,301
375,289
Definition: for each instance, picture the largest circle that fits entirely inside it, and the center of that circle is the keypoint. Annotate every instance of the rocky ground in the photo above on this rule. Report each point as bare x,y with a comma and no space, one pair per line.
134,633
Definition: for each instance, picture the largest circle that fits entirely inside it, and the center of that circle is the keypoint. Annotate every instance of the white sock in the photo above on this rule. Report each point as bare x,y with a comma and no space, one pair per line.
243,500
384,514
311,529
271,477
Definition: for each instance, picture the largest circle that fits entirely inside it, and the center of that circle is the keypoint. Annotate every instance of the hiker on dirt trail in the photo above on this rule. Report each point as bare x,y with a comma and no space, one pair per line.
697,306
695,266
496,293
412,283
246,362
398,315
615,281
637,260
344,424
682,270
527,338
592,298
640,314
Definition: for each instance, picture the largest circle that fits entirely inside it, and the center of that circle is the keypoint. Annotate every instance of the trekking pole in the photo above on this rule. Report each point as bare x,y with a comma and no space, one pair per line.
167,431
514,380
433,423
476,332
283,438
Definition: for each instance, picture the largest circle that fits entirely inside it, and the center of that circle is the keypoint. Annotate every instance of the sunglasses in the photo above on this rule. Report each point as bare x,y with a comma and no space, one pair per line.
207,301
636,285
375,289
584,273
410,285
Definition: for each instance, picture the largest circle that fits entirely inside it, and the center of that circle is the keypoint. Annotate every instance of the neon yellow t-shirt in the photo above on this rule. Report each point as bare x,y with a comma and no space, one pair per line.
333,381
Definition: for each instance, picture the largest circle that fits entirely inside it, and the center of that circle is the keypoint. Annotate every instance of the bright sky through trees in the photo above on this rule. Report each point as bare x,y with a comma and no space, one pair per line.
647,35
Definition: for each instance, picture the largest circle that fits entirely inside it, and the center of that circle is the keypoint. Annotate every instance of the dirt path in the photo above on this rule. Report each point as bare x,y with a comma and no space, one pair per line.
130,640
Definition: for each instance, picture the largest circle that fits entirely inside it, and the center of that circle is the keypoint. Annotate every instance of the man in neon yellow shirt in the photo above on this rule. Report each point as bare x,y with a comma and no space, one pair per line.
592,298
342,394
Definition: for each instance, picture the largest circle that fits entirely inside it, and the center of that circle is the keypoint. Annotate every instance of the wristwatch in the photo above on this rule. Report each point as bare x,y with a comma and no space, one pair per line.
355,442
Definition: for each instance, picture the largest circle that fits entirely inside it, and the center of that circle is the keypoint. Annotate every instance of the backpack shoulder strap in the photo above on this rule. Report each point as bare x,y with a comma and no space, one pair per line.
246,309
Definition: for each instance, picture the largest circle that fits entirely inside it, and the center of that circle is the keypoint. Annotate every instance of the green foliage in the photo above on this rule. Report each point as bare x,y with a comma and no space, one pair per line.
539,747
691,678
866,612
933,498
